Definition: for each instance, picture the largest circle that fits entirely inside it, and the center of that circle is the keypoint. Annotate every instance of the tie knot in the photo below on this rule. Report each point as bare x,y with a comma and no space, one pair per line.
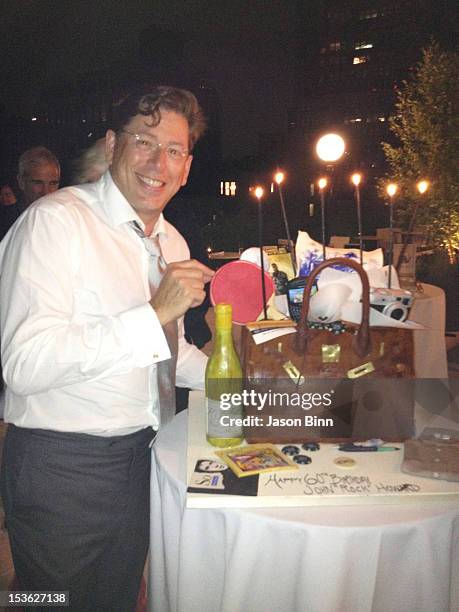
151,243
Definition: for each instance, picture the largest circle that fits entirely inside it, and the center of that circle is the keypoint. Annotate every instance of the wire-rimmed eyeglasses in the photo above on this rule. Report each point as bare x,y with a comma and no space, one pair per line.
149,145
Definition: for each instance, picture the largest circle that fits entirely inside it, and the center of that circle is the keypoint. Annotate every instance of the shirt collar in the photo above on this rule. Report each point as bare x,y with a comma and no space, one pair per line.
118,209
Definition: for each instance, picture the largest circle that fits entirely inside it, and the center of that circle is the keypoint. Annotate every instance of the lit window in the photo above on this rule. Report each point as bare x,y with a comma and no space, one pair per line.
381,118
335,46
371,14
363,45
34,118
228,188
360,59
356,120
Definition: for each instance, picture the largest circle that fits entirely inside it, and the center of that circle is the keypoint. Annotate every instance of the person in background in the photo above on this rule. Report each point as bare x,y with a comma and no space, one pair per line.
91,164
94,284
9,210
39,174
7,196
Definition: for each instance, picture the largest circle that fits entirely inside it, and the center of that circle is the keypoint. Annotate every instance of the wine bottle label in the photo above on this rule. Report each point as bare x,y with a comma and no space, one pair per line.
223,423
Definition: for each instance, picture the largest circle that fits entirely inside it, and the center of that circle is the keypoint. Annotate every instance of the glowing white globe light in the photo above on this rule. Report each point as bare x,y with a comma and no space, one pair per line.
391,189
330,147
422,186
279,177
259,191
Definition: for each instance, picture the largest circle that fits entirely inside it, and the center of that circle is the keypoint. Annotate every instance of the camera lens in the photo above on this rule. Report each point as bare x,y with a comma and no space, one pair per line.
396,311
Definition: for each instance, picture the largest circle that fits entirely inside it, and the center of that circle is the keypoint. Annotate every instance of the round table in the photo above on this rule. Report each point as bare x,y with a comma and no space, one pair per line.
372,558
429,310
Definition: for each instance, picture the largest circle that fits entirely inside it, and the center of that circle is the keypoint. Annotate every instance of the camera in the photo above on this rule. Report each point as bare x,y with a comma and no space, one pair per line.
394,303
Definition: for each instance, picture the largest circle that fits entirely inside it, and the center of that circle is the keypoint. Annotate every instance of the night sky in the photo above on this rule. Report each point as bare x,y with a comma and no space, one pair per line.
244,48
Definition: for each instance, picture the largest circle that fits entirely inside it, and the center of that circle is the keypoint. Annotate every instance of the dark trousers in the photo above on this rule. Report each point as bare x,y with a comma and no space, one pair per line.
77,514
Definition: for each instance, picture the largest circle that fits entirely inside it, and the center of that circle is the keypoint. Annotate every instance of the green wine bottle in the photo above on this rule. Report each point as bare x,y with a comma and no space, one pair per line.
223,380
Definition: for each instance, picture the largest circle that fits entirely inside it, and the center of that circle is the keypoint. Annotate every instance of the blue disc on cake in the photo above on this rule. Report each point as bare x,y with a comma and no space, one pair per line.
310,446
290,450
302,459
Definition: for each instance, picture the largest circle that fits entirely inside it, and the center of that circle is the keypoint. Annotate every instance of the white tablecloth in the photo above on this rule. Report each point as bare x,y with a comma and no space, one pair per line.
429,344
309,559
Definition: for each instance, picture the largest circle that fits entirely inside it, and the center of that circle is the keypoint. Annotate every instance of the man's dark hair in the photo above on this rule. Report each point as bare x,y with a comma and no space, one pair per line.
150,101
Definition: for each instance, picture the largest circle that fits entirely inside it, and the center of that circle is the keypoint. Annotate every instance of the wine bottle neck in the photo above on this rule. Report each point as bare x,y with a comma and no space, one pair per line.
223,336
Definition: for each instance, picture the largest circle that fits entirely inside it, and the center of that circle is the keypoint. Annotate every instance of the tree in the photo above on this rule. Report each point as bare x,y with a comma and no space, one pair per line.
426,126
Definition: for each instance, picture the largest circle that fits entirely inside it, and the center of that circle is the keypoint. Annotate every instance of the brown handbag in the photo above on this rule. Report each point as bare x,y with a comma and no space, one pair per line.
314,384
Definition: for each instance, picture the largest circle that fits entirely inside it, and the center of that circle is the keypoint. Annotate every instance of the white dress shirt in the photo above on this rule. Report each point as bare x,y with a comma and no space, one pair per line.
79,338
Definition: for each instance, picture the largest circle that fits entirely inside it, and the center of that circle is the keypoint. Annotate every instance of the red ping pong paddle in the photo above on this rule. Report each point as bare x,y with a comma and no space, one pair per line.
239,283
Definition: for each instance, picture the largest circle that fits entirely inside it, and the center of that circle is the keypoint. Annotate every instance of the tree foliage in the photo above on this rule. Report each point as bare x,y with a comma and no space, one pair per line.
425,125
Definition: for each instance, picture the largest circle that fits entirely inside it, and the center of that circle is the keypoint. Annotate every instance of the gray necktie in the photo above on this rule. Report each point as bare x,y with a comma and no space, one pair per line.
165,369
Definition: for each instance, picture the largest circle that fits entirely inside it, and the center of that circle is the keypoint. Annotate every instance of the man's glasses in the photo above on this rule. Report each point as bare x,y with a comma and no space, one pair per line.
149,145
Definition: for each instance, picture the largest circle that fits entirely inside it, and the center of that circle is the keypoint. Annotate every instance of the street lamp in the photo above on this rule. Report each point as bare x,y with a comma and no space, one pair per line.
322,183
356,178
259,192
279,179
391,190
422,186
330,148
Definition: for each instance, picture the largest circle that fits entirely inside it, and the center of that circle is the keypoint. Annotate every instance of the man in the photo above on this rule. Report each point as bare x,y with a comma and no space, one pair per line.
84,314
39,174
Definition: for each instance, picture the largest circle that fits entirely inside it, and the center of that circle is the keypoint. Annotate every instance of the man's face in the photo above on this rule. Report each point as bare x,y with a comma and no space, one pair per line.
39,181
149,179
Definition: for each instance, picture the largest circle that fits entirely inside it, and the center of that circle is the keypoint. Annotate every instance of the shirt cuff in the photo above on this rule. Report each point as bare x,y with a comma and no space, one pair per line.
149,344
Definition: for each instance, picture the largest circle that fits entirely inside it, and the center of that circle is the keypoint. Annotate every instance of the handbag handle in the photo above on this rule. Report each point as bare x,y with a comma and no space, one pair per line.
361,343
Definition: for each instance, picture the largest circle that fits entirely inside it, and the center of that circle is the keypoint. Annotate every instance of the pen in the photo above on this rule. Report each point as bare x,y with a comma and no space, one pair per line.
356,448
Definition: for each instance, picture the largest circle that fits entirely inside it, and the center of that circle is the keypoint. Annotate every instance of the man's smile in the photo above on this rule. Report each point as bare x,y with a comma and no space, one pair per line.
150,182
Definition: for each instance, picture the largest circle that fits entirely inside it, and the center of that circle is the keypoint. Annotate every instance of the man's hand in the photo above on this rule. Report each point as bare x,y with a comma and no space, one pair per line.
181,287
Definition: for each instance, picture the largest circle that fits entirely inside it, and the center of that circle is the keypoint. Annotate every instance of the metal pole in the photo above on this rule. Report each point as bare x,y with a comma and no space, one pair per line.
359,222
391,239
260,242
322,214
287,230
